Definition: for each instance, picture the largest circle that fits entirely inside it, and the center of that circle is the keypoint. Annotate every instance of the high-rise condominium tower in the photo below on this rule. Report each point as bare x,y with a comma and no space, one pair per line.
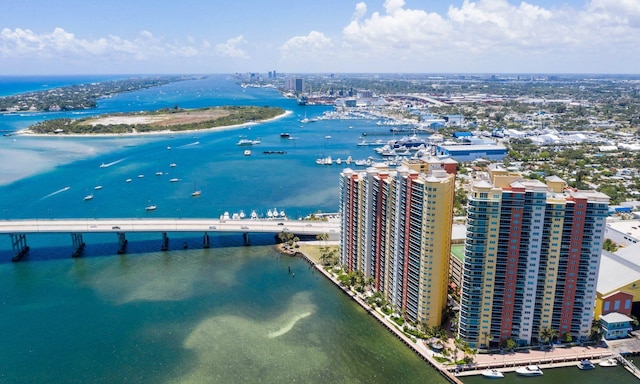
396,228
532,254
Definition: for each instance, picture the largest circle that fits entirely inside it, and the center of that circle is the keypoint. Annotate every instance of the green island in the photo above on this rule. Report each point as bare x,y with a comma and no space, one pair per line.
164,120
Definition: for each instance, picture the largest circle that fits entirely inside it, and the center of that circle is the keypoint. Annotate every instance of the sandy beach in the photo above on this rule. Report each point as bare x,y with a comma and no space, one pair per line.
144,120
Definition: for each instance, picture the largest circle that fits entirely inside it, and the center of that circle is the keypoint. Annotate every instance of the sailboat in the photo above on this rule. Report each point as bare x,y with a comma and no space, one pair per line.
196,192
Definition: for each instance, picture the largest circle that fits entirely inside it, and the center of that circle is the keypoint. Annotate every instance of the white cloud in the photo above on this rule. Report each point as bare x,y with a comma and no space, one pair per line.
24,43
493,30
310,46
231,48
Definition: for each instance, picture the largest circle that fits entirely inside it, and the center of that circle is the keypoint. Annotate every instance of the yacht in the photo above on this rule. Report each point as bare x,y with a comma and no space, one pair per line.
586,364
285,135
196,193
88,197
97,187
174,180
247,152
529,370
150,208
608,363
128,180
172,165
247,142
492,374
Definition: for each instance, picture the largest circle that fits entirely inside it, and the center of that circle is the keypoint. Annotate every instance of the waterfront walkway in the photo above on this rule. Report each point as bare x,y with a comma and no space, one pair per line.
506,362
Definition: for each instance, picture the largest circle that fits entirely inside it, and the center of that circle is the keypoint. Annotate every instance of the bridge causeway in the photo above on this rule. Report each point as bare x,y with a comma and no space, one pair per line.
18,229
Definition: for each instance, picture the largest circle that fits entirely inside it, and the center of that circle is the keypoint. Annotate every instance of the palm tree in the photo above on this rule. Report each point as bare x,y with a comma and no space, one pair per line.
547,335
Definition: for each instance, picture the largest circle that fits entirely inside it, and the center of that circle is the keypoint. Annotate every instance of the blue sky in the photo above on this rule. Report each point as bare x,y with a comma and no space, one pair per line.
215,36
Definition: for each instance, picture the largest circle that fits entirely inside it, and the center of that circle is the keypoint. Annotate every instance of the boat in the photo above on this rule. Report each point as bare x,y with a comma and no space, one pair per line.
128,180
196,193
324,161
492,374
586,364
327,137
158,173
88,197
140,176
172,165
97,187
247,152
174,180
243,142
529,370
608,363
285,135
150,208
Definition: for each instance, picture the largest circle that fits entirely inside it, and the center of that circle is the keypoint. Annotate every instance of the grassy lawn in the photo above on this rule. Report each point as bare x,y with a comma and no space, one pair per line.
313,251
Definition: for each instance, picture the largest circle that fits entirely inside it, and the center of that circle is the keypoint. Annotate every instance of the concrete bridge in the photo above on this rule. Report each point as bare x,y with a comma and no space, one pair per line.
18,229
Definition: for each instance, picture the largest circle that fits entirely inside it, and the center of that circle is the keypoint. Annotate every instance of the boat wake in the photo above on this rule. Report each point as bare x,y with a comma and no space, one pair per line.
189,145
289,325
56,192
103,165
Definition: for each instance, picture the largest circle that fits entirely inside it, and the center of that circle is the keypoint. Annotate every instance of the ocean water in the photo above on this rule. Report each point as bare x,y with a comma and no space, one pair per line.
226,314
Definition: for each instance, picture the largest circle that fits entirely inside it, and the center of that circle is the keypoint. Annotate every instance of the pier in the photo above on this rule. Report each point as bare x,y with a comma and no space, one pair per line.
18,229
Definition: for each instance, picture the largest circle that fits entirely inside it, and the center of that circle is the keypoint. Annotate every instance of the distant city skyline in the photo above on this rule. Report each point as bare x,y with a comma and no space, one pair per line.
333,36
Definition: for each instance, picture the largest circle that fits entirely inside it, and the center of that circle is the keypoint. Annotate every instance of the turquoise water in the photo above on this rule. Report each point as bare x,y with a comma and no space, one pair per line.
231,314
226,314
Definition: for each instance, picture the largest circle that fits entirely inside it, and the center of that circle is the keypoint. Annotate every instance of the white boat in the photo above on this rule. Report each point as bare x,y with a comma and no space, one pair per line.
254,214
608,363
88,197
158,173
150,208
492,374
529,370
324,161
128,180
174,180
140,176
247,142
586,364
97,187
172,165
247,152
196,193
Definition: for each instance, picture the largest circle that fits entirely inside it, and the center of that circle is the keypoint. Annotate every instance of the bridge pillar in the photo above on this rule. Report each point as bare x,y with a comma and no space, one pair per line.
122,243
165,242
205,241
19,245
245,237
78,244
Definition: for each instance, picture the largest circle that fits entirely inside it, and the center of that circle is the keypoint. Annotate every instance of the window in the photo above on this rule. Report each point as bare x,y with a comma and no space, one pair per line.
616,305
627,304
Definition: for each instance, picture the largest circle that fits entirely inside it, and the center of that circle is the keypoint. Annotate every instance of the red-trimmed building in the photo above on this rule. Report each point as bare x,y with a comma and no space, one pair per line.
532,256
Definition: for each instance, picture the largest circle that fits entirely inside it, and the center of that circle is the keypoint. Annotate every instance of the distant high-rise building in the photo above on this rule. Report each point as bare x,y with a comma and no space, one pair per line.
531,262
299,85
396,228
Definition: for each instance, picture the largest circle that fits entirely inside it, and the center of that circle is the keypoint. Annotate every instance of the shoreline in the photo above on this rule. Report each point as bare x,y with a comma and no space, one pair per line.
558,357
26,132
